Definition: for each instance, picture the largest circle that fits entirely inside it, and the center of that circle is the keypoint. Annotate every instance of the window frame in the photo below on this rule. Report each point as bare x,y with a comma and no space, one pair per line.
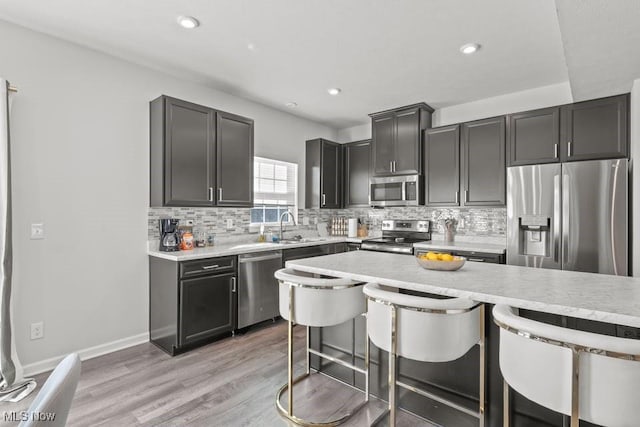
292,178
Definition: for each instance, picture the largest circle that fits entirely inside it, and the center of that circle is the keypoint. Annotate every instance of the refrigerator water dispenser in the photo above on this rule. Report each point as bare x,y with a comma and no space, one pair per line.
535,235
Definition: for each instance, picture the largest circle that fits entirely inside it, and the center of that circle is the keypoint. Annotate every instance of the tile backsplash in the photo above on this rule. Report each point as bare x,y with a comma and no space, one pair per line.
471,221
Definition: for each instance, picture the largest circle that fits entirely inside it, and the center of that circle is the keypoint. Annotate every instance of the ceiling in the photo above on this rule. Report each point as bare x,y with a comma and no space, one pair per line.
381,53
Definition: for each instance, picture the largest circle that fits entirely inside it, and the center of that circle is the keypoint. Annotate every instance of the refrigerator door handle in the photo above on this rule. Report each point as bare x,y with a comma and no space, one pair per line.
556,218
619,219
565,219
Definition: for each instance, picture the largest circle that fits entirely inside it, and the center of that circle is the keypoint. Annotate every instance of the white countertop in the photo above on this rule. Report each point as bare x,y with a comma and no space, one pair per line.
492,248
241,248
600,297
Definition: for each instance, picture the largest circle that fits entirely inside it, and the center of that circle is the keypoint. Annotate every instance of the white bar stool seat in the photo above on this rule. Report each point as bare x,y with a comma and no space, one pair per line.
588,376
318,302
426,330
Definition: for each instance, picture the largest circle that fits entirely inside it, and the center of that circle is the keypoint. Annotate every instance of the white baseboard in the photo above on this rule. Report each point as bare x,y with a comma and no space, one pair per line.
85,354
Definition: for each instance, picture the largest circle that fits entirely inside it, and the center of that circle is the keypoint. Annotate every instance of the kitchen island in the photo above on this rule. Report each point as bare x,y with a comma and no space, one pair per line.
594,302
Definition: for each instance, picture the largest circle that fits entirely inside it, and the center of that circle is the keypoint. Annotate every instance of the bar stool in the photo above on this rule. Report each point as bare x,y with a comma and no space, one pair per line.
426,330
585,375
318,302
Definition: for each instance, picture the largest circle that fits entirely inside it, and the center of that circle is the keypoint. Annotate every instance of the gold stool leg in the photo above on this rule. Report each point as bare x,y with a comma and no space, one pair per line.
367,349
483,366
505,404
290,353
392,368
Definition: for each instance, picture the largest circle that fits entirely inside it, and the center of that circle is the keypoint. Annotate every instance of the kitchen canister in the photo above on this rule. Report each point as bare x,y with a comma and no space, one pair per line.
353,227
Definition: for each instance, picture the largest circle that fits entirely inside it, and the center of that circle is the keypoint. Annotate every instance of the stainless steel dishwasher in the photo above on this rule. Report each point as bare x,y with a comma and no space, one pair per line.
257,288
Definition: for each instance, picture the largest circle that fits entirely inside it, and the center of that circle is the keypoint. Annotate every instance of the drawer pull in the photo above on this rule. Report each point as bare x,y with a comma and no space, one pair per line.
210,267
476,259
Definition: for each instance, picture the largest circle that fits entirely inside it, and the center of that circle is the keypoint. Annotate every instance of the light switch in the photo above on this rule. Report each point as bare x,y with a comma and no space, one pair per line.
229,224
37,231
305,220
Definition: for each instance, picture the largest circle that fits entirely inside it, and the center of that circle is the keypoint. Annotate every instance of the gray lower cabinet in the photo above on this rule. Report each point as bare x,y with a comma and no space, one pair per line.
597,129
483,163
534,137
324,173
442,166
191,302
234,160
356,173
199,156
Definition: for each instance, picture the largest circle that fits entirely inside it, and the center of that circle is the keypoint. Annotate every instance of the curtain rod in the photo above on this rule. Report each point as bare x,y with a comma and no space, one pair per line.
13,88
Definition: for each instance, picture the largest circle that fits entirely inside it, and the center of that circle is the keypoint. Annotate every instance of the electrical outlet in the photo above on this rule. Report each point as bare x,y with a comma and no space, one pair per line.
305,220
37,231
189,222
229,224
37,330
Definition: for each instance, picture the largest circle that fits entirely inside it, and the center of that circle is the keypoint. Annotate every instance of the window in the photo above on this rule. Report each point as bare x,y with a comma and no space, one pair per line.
275,190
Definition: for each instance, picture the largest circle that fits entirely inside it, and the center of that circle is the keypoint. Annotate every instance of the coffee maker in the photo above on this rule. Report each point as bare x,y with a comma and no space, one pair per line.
169,235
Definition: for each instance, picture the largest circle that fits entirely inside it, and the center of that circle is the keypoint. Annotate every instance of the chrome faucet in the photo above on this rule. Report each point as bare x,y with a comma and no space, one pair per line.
282,217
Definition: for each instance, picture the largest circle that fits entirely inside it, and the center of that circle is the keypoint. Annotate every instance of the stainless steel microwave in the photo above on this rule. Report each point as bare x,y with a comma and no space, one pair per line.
396,191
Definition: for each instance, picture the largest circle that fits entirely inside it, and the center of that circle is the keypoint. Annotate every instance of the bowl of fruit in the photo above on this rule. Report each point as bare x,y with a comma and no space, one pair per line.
440,261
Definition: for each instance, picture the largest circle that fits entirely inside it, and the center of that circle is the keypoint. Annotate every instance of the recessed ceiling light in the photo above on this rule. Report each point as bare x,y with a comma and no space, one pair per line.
469,48
251,46
188,22
291,104
334,91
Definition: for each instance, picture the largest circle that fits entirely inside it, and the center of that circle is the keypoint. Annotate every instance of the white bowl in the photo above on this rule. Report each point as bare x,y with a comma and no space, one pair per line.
456,264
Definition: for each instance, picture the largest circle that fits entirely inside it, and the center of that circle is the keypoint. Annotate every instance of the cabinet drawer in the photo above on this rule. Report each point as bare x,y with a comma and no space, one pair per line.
481,257
207,266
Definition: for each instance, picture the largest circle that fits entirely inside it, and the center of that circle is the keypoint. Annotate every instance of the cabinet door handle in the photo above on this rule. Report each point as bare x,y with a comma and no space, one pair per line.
394,166
211,194
569,146
466,196
233,284
391,166
457,196
219,193
324,199
555,151
210,267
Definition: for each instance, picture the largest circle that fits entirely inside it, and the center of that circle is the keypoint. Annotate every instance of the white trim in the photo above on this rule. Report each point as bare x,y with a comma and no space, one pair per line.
87,353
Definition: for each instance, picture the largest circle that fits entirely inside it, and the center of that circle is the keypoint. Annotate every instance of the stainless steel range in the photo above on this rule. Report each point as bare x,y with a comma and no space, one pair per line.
398,236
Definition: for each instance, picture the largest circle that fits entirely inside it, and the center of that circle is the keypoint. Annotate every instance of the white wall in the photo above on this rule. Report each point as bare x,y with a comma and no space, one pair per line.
80,144
355,133
546,96
635,177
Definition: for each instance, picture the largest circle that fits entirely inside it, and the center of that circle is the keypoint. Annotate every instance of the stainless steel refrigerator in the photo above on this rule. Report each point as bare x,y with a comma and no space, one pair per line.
569,216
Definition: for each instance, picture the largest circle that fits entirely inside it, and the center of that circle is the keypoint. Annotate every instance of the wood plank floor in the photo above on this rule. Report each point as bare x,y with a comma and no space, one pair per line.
231,382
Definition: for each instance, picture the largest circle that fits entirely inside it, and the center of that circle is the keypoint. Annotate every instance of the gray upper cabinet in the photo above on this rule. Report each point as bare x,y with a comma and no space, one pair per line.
234,160
383,152
408,141
182,142
595,129
442,166
483,162
323,174
534,137
396,146
356,173
199,156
